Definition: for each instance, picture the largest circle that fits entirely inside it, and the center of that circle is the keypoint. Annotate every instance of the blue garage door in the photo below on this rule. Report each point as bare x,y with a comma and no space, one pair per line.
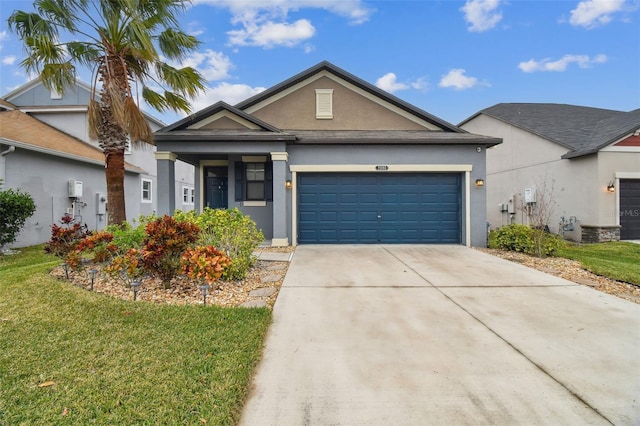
361,208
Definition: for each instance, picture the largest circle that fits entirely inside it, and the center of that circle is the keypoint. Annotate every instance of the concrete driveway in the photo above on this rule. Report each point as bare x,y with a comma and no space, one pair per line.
435,335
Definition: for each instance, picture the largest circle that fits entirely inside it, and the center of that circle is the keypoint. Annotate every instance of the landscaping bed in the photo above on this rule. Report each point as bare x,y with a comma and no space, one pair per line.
571,270
184,291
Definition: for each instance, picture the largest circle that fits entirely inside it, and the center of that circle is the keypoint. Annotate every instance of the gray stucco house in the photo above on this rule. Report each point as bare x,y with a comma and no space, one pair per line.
41,160
325,157
589,157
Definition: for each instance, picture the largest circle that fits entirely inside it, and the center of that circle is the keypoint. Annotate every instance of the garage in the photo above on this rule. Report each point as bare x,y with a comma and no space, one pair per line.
373,208
630,209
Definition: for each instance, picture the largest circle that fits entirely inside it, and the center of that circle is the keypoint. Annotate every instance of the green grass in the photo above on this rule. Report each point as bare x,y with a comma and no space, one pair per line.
617,260
114,361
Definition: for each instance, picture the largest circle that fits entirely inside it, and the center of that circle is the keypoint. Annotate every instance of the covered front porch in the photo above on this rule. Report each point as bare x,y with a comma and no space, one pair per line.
250,178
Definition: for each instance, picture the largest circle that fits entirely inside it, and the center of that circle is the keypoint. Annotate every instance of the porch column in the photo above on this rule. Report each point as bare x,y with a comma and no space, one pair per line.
166,191
280,237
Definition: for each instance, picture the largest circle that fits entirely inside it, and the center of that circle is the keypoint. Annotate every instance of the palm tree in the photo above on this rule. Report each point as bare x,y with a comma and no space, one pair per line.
124,43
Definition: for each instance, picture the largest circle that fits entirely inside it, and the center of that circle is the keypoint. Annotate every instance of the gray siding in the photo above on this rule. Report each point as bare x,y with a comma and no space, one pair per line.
24,171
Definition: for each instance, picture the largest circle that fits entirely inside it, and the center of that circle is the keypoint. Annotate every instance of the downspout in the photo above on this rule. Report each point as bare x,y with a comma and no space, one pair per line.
2,155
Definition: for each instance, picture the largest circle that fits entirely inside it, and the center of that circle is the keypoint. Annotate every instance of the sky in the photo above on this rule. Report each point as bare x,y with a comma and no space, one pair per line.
449,58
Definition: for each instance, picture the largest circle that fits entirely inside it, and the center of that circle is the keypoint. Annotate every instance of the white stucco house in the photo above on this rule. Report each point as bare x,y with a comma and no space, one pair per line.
585,161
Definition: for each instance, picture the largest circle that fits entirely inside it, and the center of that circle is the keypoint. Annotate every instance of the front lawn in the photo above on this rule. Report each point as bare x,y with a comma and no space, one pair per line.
617,260
70,356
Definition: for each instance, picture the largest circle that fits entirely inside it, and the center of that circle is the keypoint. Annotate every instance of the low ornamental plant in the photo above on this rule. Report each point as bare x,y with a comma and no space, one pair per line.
99,245
129,266
66,237
204,263
230,231
165,241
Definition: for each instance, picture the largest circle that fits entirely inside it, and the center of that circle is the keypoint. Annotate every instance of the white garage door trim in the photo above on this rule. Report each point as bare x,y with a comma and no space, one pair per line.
618,176
466,168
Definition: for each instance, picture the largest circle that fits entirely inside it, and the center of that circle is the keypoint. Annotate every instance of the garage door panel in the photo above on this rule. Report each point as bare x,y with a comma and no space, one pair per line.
630,209
379,208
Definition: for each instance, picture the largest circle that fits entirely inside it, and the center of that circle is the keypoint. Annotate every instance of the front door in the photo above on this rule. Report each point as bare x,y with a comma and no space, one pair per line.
216,188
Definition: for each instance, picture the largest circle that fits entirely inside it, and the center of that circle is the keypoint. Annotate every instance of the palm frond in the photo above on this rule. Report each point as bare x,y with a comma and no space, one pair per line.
177,102
117,105
175,44
138,127
154,99
94,114
58,76
186,81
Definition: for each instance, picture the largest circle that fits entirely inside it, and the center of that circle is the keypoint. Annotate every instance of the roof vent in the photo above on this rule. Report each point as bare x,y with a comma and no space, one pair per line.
324,104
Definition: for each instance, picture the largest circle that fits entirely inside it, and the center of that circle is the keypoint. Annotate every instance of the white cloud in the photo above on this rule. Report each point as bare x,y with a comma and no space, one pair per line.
269,34
593,13
457,80
229,93
3,37
481,15
560,65
8,60
265,23
389,83
212,65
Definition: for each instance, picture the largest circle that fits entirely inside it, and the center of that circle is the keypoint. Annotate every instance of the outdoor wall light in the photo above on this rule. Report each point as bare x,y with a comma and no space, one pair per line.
92,274
611,187
479,183
65,266
287,184
135,285
204,289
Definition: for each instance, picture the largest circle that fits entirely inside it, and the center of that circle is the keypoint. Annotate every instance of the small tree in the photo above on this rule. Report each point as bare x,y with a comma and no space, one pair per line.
15,208
539,214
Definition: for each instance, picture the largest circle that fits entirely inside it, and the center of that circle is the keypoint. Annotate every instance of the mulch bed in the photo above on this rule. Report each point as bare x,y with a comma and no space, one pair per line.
571,270
184,291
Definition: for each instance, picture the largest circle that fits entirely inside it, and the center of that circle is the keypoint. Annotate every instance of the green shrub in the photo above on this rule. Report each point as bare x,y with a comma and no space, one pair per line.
127,236
524,239
230,231
15,208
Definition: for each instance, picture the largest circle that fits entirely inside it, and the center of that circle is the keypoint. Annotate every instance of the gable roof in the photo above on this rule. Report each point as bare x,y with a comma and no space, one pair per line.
213,110
356,81
30,85
582,130
22,130
6,105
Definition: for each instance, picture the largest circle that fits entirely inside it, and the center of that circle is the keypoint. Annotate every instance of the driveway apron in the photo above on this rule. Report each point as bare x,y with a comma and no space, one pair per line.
434,335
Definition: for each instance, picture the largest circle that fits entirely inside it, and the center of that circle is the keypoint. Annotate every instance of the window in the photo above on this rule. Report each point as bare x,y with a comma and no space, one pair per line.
127,146
146,191
55,95
188,195
255,181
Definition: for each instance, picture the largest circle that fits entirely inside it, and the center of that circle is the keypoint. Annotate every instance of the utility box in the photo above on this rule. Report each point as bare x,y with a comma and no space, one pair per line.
529,195
101,203
75,189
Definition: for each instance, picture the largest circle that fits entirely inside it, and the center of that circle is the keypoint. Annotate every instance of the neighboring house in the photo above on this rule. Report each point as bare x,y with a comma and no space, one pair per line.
68,113
42,161
586,161
325,157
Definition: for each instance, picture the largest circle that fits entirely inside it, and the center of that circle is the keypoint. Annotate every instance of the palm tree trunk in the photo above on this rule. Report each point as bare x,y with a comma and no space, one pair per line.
115,187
